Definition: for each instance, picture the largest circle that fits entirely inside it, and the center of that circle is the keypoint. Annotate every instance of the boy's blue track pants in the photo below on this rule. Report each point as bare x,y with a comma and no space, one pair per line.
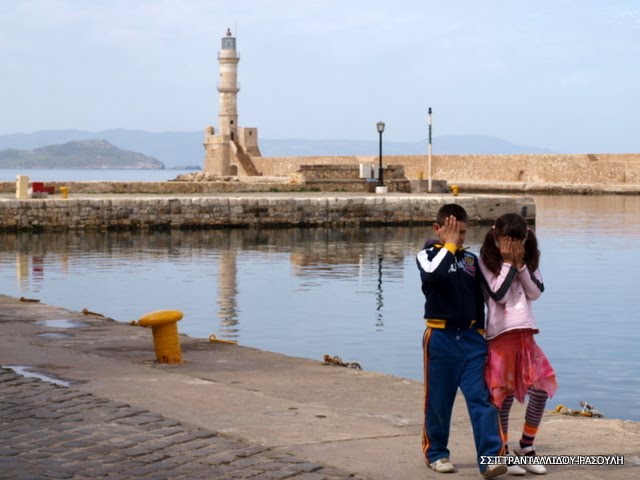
452,359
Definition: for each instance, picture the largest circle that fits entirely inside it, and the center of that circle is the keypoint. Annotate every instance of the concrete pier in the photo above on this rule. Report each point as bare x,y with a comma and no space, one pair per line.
230,412
298,209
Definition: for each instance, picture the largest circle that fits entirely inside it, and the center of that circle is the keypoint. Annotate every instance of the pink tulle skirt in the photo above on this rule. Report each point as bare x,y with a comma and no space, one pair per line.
514,363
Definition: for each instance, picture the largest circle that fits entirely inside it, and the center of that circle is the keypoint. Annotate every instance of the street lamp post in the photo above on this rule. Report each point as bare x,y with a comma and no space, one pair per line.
380,126
429,170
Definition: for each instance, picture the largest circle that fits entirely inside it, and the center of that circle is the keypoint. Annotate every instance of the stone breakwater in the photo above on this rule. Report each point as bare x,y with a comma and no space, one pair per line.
151,213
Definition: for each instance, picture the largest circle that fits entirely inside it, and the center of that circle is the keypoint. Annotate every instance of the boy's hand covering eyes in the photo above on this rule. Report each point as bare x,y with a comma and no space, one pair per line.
450,231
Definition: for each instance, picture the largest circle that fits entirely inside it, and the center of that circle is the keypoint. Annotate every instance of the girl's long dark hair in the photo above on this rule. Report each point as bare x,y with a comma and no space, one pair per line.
514,226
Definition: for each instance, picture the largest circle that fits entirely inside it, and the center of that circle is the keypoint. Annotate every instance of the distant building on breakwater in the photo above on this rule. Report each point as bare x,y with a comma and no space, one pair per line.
229,151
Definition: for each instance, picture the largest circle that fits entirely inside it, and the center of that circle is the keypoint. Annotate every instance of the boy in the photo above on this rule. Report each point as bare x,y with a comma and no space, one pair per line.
454,348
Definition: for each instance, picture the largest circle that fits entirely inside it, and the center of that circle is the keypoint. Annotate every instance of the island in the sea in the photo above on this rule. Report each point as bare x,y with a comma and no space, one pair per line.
83,154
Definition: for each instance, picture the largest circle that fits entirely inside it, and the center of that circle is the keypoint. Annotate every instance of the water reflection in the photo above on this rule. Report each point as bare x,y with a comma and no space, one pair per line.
379,298
314,256
227,293
354,293
614,215
29,271
22,271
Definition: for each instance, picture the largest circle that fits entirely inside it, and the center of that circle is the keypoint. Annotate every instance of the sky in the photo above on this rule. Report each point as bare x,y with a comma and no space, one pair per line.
557,74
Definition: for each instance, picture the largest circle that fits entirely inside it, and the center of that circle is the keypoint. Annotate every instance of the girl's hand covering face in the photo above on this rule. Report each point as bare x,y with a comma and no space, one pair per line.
506,250
517,249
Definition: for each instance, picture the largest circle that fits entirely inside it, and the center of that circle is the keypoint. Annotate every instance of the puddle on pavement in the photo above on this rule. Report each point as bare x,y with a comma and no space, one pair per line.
63,323
199,381
54,335
25,372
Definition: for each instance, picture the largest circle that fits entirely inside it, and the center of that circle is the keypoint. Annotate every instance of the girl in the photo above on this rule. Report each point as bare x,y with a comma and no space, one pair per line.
516,366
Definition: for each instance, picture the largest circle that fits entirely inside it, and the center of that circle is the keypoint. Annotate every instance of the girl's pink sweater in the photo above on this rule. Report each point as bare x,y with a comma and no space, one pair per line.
508,296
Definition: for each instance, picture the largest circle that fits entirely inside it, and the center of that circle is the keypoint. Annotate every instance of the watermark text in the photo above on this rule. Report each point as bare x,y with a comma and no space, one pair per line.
553,460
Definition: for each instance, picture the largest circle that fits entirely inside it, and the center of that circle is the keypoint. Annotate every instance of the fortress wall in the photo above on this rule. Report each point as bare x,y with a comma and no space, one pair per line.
549,168
285,166
565,174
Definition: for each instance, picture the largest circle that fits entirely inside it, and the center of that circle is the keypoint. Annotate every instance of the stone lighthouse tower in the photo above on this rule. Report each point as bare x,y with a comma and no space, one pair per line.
228,86
229,151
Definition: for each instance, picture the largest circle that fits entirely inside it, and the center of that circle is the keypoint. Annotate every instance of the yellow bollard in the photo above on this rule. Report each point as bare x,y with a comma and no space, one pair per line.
455,189
165,334
64,191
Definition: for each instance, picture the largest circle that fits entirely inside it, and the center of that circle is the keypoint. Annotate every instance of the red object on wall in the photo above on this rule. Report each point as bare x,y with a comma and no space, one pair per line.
38,187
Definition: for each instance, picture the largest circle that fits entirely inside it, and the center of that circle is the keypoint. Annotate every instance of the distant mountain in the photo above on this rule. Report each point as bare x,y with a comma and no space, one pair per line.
185,148
172,148
84,154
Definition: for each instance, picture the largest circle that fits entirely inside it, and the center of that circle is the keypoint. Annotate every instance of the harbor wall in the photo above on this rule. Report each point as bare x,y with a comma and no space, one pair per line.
564,169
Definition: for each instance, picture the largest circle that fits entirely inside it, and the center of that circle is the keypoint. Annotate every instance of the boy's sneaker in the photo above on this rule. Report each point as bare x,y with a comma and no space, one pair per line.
493,471
442,466
530,451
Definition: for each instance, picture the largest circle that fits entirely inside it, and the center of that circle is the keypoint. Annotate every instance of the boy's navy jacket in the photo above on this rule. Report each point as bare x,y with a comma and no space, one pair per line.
451,286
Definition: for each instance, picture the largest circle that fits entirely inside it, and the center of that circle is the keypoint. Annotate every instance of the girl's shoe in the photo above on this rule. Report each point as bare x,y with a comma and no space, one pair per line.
512,467
442,466
515,470
530,452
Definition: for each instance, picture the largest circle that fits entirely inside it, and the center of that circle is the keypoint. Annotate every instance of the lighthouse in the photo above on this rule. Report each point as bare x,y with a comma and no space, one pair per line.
228,86
229,151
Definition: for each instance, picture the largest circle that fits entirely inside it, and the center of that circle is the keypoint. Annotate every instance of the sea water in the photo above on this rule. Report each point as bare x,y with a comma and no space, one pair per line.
354,293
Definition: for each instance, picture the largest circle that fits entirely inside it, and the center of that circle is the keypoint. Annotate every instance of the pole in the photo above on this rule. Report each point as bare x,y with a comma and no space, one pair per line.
429,172
380,172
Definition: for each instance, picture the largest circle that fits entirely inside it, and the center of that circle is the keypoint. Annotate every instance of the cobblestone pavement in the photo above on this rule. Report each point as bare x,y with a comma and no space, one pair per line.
50,431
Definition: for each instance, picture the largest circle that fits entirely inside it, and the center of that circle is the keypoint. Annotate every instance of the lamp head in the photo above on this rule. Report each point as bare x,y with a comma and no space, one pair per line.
380,126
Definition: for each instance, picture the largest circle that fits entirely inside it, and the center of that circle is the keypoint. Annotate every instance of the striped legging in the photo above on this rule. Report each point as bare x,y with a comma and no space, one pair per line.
533,415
